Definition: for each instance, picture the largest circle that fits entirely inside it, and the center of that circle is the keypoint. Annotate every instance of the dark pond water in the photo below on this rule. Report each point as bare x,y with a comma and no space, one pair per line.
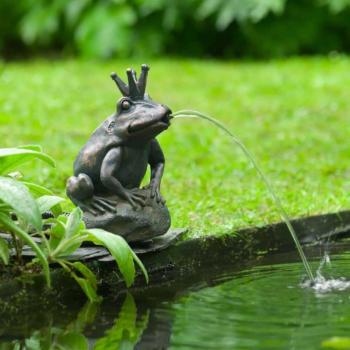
259,308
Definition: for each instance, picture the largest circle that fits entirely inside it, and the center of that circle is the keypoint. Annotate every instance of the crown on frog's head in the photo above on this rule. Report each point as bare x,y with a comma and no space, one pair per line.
135,89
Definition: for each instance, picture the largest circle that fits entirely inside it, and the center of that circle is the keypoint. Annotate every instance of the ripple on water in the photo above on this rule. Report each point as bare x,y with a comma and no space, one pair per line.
266,308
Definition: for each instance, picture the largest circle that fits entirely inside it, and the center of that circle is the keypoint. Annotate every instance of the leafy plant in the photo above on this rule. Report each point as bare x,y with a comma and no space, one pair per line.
107,28
64,235
227,11
15,198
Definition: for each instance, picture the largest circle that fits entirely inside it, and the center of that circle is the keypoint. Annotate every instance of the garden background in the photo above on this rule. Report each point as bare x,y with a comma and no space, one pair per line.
276,72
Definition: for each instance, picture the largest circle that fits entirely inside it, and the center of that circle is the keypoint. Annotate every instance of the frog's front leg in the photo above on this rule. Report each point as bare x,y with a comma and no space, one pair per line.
156,161
110,166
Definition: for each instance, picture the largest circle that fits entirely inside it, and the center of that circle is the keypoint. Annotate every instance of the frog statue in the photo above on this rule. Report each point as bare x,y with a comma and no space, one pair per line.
109,169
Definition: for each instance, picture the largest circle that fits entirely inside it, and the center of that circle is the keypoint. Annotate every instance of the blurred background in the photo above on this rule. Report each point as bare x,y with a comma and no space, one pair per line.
276,72
210,28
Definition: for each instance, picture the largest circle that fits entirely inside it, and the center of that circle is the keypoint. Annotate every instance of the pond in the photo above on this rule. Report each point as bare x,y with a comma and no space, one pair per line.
261,307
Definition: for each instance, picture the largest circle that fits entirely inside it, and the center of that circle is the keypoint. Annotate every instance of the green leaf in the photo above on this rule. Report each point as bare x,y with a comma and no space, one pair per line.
140,264
56,233
86,272
18,197
67,247
36,148
63,218
74,9
95,32
71,341
57,228
337,343
88,284
37,190
13,157
4,251
24,236
71,239
46,203
74,223
120,250
87,288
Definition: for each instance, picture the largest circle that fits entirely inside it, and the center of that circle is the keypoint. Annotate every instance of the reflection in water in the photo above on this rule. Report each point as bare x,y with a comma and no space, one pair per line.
123,335
96,327
53,337
258,308
127,330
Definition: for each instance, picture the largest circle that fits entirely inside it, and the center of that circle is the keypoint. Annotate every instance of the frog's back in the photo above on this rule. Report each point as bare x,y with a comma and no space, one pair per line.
90,157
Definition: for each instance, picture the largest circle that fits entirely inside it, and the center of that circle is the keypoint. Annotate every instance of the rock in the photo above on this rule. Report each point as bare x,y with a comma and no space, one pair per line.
135,225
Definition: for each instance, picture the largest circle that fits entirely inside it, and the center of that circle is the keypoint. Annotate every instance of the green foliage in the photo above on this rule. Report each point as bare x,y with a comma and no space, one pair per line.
64,235
15,197
337,6
4,251
105,28
337,343
47,202
67,234
121,252
26,238
37,190
11,158
108,28
227,11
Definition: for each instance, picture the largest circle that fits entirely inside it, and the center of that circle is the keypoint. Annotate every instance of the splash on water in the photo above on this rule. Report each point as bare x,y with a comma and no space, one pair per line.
325,261
322,285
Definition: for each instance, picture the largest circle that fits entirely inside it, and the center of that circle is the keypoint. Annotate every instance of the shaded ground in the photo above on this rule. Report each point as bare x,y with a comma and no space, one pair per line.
293,115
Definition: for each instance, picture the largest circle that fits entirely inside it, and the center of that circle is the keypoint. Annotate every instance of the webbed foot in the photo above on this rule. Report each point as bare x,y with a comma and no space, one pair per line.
136,198
80,190
103,205
155,193
98,206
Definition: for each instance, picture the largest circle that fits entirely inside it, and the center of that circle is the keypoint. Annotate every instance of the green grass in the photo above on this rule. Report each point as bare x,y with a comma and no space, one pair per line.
293,115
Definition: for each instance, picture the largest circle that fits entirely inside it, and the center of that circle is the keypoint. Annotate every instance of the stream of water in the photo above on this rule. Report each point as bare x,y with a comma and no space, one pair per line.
276,199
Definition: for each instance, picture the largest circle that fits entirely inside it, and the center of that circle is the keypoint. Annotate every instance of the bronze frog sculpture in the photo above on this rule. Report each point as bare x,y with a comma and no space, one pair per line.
109,169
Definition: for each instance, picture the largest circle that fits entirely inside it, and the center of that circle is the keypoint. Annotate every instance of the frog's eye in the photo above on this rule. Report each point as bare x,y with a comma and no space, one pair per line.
111,127
125,105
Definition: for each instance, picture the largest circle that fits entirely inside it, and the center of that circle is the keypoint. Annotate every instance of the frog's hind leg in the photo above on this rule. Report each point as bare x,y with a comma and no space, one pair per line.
80,189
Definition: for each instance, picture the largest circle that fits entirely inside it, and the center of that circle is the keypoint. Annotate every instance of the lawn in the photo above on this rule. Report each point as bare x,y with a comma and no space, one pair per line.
293,115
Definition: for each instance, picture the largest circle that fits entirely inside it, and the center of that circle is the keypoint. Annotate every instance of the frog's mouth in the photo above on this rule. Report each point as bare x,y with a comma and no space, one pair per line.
142,124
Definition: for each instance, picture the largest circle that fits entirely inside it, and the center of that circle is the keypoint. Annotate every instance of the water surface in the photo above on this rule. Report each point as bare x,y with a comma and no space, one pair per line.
263,307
